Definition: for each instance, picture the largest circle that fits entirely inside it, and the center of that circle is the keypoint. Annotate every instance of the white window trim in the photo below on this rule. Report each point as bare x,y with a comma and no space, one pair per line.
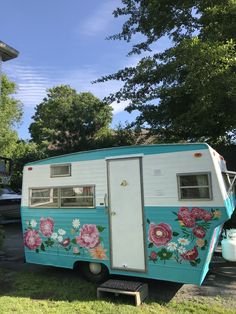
209,186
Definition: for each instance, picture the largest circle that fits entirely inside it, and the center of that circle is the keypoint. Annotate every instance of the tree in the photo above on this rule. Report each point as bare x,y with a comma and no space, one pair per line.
25,152
67,121
10,116
186,92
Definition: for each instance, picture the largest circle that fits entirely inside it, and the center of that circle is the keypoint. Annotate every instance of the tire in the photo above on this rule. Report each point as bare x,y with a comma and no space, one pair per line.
94,272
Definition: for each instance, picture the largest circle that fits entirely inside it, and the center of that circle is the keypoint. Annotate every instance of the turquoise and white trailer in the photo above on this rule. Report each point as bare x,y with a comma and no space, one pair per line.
151,211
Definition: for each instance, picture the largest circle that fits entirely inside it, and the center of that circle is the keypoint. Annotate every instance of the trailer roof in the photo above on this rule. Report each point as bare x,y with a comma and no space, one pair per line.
122,150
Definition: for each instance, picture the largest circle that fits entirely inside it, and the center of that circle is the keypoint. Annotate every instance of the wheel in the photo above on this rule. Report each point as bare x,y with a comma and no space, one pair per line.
94,272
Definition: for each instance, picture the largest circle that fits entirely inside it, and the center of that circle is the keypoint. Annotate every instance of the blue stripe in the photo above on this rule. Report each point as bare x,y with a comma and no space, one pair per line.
113,152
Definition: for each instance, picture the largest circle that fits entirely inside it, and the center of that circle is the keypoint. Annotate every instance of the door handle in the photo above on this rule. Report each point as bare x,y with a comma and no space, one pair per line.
113,213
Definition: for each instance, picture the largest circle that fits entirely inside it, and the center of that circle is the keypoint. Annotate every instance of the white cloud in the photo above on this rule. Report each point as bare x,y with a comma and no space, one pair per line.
99,21
33,82
119,107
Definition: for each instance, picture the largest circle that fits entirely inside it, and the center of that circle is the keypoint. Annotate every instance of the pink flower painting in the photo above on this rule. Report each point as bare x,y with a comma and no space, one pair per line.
183,213
65,242
46,226
196,213
190,255
199,232
89,236
160,234
32,239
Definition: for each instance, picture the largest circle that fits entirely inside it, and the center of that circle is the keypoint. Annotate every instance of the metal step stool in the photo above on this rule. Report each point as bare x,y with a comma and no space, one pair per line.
137,289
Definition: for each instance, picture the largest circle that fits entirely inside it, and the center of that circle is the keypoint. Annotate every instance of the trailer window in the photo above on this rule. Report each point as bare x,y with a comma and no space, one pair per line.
56,197
194,186
77,196
45,197
61,170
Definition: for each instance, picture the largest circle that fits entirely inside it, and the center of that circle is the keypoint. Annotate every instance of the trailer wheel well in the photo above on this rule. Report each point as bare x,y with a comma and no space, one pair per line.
93,274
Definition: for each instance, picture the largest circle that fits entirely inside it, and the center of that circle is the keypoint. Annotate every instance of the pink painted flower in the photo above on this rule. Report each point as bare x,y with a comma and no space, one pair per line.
183,212
46,226
197,213
206,215
65,242
190,255
199,232
188,221
89,236
153,256
32,239
160,234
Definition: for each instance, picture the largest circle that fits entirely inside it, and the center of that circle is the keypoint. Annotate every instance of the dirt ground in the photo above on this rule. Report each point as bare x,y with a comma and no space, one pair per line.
220,281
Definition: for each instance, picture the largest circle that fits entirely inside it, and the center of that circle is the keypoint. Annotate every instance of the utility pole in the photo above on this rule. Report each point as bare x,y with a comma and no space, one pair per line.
6,53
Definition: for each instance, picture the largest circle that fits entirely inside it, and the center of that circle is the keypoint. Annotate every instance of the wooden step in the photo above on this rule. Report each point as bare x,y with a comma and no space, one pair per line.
132,288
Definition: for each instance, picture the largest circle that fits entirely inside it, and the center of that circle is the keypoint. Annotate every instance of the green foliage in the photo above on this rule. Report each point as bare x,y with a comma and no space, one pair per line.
186,92
67,121
25,152
10,116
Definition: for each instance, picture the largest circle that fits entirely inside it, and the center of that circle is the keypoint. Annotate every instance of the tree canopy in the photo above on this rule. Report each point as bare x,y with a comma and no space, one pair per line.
10,116
188,91
67,121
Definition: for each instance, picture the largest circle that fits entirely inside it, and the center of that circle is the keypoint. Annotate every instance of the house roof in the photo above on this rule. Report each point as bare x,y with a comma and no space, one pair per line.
7,52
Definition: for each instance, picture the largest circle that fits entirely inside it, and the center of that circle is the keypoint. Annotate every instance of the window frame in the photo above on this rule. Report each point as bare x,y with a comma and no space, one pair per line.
60,175
42,188
59,196
209,186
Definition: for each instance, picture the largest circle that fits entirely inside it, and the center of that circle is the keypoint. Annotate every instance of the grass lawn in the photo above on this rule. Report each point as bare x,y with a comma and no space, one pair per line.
52,291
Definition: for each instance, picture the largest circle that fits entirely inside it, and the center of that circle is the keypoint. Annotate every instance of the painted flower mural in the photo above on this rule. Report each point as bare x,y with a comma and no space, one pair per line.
89,236
98,252
160,234
32,239
184,244
86,240
46,226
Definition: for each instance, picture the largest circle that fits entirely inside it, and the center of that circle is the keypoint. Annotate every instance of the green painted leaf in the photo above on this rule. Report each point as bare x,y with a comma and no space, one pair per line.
150,245
101,228
175,213
175,234
164,254
49,242
42,247
100,239
193,263
37,250
148,221
198,260
73,241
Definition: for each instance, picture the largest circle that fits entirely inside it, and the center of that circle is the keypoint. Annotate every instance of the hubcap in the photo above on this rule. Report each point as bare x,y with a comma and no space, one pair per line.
95,268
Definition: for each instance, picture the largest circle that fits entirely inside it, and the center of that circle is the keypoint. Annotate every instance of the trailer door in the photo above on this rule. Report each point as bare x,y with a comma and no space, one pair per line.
126,214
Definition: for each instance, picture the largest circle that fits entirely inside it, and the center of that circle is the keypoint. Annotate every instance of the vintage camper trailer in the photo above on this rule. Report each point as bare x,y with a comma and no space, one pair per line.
151,211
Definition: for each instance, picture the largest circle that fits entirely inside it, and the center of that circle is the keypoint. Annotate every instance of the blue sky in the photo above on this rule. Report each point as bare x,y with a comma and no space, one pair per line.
63,42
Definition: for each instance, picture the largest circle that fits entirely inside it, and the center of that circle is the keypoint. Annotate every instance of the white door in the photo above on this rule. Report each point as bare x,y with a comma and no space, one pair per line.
126,215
